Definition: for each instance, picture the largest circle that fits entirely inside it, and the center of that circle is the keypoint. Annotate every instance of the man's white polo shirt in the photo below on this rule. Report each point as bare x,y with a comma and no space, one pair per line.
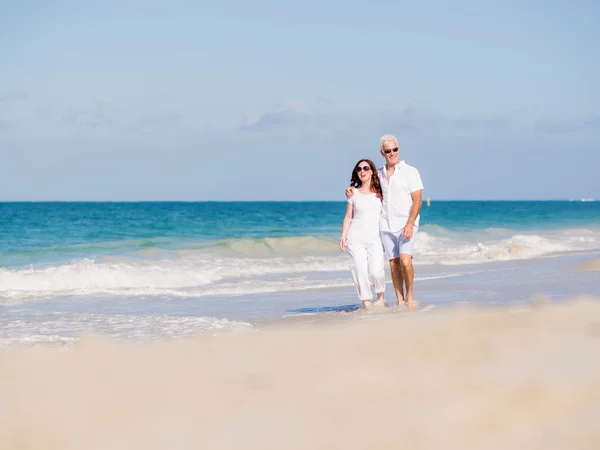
397,200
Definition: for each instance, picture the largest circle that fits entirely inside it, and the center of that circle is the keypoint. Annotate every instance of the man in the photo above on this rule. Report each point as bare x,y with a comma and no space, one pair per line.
399,222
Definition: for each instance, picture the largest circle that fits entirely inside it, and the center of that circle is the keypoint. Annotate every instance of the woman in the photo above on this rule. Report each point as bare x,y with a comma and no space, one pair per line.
360,233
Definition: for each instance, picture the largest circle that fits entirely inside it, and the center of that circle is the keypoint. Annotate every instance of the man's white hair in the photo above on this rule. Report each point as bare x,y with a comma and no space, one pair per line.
387,139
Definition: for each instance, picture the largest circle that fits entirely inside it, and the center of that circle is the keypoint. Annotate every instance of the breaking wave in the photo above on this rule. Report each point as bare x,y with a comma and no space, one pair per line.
243,266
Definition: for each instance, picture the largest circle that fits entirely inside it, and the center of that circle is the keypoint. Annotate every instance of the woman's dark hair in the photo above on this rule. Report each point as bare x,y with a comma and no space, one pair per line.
375,184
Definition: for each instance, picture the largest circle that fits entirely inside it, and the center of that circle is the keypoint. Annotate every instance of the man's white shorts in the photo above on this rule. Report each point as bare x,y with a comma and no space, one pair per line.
394,243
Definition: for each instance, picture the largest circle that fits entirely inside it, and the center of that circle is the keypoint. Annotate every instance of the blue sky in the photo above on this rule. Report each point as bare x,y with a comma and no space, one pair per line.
187,100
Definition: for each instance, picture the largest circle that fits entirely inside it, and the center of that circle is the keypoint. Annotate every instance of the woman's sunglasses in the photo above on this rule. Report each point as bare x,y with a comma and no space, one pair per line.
387,152
365,168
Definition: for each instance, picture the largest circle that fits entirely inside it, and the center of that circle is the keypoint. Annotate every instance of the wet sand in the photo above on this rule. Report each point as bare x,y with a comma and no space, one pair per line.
525,377
590,266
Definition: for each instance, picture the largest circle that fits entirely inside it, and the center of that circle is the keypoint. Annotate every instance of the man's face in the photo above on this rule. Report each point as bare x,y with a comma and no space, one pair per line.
390,152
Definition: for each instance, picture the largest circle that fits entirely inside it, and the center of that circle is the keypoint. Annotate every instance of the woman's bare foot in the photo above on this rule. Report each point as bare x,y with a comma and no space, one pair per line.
380,301
366,304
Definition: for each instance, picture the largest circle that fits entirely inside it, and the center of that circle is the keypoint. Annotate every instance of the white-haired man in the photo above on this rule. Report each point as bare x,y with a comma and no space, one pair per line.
402,199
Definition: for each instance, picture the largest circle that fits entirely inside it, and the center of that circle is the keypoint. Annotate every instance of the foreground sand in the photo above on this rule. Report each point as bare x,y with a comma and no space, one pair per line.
464,379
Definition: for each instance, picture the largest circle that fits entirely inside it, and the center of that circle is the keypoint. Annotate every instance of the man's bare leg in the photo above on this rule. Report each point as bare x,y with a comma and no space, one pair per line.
408,274
397,279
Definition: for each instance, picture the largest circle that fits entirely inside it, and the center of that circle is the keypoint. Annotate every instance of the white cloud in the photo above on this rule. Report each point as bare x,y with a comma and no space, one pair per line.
417,118
99,113
567,127
287,114
14,95
411,118
4,124
156,123
107,114
593,123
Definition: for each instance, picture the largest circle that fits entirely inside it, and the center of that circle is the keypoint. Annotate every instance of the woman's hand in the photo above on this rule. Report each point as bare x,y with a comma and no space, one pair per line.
346,225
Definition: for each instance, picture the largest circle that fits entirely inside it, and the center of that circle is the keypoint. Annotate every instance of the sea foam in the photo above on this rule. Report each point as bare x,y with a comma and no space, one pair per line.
245,266
61,328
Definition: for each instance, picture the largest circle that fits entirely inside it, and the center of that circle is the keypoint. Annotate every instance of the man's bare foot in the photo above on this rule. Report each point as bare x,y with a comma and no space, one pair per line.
366,304
412,304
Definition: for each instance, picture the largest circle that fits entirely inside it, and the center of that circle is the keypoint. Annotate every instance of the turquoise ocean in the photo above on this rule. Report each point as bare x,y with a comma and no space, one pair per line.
156,269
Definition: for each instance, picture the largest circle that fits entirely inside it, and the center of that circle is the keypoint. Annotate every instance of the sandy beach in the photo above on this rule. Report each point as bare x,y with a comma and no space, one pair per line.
524,377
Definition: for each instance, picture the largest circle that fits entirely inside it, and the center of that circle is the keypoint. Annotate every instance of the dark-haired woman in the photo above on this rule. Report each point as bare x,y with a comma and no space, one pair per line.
360,233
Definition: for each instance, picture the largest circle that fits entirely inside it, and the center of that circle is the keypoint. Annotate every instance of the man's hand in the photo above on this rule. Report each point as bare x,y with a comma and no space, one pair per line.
349,191
408,231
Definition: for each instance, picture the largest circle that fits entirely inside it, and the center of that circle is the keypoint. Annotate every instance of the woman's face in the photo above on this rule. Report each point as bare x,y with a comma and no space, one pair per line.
364,171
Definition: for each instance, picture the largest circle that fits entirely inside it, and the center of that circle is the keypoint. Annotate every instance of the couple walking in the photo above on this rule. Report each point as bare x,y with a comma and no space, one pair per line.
382,217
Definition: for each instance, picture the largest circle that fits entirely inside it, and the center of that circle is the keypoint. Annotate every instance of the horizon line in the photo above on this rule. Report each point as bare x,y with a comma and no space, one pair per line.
584,200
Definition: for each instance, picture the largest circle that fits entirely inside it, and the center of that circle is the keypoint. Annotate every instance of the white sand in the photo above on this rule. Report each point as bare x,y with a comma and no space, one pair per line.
464,379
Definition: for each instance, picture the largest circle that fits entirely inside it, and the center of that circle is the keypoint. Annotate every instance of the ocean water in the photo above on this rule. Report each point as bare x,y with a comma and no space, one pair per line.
143,270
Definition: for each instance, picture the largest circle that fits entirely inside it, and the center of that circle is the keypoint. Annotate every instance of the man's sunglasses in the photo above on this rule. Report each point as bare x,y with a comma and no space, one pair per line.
387,152
365,168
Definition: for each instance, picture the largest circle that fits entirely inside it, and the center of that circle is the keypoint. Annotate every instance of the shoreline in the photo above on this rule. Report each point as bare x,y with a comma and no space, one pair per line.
503,284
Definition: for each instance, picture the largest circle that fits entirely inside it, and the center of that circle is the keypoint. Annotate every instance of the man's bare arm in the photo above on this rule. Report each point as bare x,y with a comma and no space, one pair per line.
414,212
415,209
